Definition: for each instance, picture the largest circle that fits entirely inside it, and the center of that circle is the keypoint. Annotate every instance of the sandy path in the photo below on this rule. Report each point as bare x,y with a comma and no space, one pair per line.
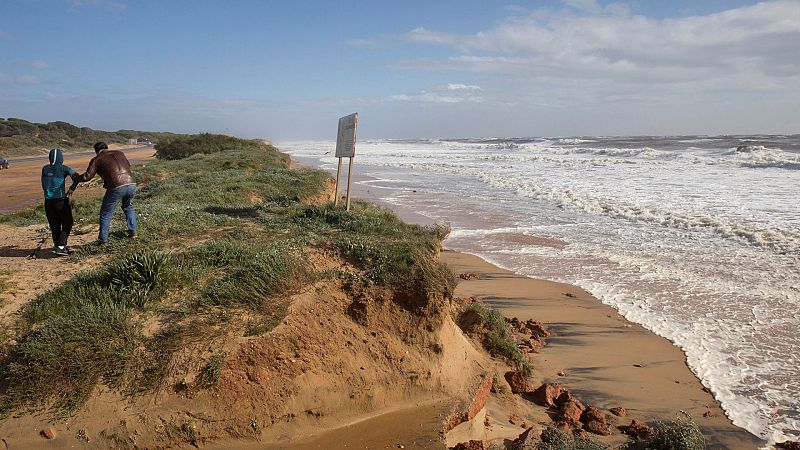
31,269
20,184
607,360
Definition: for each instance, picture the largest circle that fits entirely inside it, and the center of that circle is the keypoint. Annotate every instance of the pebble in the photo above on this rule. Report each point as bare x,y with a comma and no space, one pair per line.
48,433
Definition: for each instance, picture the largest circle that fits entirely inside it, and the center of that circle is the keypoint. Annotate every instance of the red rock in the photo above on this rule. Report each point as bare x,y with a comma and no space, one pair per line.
546,394
598,427
453,420
637,430
571,411
619,411
593,414
471,445
563,426
537,328
481,396
48,433
789,445
565,397
527,440
709,413
518,382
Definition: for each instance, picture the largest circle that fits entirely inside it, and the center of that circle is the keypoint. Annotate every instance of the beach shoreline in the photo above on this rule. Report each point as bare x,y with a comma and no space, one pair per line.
602,358
655,394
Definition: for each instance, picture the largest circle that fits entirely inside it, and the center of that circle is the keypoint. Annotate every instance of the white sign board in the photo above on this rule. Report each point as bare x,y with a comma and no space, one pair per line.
346,139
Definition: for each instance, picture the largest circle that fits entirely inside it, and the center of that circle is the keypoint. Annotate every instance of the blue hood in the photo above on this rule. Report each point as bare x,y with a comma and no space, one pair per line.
56,156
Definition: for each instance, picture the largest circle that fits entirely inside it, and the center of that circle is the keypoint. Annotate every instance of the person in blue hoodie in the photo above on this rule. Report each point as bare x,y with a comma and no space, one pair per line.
56,200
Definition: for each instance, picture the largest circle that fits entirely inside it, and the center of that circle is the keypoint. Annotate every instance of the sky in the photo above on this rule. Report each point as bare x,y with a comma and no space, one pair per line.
286,70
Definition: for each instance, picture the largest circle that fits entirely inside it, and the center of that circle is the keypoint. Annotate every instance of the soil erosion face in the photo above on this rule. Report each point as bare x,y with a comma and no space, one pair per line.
21,186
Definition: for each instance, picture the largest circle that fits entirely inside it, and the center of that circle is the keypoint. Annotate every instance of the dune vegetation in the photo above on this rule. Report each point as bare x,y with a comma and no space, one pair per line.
21,137
225,235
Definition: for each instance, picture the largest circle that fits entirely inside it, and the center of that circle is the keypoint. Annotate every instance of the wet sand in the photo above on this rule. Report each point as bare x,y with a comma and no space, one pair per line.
20,184
606,360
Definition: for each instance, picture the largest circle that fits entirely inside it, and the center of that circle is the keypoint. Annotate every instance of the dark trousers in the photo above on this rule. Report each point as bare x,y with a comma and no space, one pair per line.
59,216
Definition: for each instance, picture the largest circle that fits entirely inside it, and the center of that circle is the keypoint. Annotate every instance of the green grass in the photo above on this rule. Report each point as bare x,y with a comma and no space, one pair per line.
224,239
65,358
497,336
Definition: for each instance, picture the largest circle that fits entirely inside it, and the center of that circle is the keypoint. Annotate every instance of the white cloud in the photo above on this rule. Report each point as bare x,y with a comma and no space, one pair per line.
449,94
363,43
462,87
750,47
425,36
40,64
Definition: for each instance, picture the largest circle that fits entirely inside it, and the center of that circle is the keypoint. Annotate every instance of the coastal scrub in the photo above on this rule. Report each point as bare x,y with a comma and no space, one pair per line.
227,228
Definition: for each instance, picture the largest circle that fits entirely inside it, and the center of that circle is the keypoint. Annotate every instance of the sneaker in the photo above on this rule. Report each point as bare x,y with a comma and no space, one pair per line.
62,251
100,243
133,234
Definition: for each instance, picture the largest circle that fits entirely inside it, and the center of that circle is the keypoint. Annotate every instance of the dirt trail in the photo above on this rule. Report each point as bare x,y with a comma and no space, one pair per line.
20,184
29,268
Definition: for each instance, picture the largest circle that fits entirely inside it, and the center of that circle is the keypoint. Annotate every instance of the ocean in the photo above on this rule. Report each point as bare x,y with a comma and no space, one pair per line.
697,238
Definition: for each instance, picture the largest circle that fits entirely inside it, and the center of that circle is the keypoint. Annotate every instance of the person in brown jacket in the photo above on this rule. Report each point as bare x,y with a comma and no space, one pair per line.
115,170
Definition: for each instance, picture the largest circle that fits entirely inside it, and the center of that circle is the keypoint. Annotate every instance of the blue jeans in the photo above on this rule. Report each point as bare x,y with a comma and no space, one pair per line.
110,200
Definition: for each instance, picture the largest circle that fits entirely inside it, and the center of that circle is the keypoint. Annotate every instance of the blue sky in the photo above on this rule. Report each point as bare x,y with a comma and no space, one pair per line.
287,70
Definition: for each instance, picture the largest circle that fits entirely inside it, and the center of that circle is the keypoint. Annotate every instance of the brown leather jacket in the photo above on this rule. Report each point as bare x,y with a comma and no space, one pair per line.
112,166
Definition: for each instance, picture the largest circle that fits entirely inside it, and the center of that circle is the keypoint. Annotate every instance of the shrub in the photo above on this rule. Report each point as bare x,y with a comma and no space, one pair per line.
496,338
183,146
554,439
137,275
679,434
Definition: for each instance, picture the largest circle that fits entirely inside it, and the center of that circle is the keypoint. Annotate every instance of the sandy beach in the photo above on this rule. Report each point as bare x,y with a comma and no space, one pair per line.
606,360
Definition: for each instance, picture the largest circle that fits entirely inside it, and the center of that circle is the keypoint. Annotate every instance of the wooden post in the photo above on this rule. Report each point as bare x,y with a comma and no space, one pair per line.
336,194
349,179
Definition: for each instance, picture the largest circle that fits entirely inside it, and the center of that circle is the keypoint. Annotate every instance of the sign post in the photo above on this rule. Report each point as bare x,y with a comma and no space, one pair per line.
346,148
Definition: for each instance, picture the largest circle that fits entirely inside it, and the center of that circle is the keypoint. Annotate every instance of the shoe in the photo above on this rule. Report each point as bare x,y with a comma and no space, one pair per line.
62,251
133,234
100,244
